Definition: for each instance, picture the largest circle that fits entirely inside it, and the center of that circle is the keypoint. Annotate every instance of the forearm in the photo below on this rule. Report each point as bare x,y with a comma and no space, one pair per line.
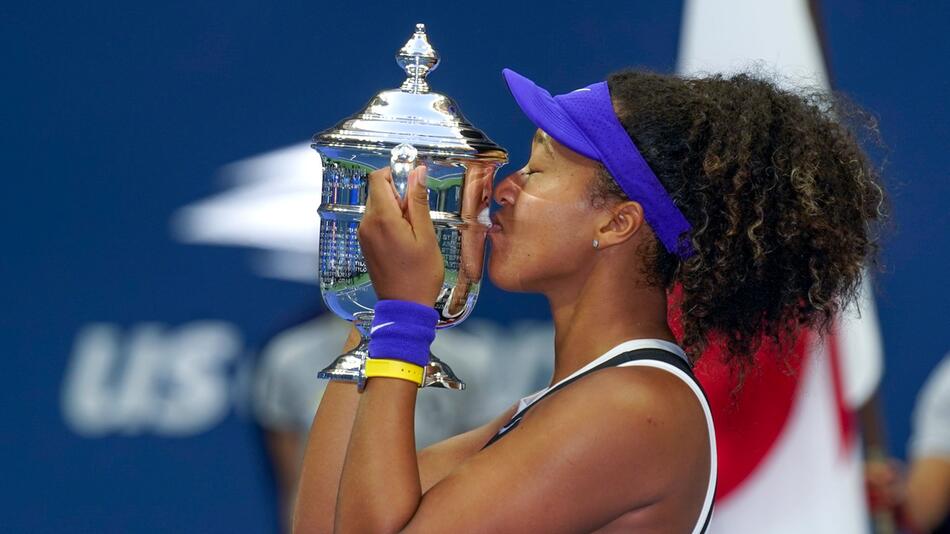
380,489
323,459
284,449
928,493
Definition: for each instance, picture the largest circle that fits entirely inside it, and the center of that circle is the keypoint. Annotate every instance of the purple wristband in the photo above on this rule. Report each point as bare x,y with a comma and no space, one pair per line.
402,331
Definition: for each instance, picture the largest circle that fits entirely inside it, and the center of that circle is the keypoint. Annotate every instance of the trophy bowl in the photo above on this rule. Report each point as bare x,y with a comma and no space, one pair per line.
402,128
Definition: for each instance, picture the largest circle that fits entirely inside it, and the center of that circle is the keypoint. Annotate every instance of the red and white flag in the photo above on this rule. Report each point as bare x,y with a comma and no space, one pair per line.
789,457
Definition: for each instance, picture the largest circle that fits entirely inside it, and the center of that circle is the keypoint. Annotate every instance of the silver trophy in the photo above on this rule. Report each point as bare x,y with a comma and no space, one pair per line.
402,128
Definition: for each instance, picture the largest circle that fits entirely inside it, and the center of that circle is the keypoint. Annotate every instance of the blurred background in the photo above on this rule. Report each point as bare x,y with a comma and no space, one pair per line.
159,223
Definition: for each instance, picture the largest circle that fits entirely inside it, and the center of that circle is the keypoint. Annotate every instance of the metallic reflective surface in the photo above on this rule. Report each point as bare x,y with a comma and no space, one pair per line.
418,59
401,162
351,366
430,122
402,128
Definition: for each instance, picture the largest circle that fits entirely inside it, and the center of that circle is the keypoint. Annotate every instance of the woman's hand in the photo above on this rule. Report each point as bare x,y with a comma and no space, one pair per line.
398,240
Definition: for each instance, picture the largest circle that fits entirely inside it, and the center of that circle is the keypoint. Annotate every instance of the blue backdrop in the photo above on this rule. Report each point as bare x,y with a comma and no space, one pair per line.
116,115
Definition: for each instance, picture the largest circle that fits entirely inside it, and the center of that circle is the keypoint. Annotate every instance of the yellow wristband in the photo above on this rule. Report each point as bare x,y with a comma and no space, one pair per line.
394,369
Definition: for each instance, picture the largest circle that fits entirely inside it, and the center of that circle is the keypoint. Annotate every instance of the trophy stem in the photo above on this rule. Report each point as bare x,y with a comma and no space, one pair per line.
348,367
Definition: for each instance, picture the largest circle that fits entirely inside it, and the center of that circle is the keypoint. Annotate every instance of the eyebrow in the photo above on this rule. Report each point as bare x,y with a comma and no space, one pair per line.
542,139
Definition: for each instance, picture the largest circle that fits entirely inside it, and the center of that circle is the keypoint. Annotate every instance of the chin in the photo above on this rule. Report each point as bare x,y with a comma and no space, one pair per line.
506,276
500,275
500,282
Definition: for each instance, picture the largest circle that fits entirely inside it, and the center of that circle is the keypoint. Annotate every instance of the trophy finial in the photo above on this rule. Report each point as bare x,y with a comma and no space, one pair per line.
418,59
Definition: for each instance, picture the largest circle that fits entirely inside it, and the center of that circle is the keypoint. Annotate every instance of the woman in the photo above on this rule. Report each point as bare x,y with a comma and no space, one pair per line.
752,200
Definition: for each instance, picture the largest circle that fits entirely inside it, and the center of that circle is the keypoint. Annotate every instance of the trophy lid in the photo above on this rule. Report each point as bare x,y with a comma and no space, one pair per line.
430,122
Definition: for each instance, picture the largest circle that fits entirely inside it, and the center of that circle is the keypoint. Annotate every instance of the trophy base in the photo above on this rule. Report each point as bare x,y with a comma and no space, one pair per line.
349,367
438,374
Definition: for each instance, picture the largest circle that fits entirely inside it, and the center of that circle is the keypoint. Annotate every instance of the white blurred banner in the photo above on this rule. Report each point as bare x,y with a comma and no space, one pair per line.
270,205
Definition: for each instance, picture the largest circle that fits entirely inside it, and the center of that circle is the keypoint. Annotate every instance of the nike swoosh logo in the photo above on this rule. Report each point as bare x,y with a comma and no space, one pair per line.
377,327
581,89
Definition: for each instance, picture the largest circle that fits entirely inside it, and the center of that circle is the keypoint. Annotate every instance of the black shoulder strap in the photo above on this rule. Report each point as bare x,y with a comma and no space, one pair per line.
638,354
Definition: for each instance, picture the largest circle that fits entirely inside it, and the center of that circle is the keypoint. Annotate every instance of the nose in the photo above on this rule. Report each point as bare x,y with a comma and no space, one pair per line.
507,190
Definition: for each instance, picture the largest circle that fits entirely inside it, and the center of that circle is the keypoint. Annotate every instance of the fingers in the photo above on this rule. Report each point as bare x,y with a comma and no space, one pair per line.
417,203
381,200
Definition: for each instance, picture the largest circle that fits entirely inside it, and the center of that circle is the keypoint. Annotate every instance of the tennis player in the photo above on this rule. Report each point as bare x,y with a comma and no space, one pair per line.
757,202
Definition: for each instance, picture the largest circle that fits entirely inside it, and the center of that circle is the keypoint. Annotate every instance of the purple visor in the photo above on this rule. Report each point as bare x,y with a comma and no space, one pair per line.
584,121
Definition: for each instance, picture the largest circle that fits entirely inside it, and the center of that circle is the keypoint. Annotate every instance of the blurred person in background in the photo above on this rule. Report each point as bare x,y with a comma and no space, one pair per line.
927,504
287,390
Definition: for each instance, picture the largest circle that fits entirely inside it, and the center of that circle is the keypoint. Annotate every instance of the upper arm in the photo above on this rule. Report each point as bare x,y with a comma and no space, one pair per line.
439,459
612,442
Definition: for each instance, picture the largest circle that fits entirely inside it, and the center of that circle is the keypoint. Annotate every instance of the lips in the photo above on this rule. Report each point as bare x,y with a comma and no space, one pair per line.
496,225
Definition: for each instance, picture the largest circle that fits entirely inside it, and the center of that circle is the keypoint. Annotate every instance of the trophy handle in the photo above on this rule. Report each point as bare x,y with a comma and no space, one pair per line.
401,161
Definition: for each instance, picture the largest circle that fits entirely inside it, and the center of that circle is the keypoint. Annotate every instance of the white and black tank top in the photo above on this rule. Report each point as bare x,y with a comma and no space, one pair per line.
655,353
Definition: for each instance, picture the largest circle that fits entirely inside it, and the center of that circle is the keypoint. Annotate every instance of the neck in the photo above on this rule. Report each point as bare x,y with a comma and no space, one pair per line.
604,312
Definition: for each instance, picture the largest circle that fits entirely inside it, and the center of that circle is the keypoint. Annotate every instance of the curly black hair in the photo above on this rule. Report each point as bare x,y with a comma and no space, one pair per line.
783,201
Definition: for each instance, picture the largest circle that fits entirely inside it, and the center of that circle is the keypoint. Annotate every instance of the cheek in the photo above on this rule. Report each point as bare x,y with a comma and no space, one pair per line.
548,241
564,233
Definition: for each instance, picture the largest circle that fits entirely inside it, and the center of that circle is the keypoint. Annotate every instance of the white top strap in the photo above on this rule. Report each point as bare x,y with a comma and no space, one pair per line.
626,346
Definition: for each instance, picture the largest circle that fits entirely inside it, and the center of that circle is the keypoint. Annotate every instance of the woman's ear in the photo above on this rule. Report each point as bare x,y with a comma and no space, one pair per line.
625,220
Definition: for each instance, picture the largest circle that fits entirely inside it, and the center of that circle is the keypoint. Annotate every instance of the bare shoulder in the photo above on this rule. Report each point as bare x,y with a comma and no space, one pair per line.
626,442
640,407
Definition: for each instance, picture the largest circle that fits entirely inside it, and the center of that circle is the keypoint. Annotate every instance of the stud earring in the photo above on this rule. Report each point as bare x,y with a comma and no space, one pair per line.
596,244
